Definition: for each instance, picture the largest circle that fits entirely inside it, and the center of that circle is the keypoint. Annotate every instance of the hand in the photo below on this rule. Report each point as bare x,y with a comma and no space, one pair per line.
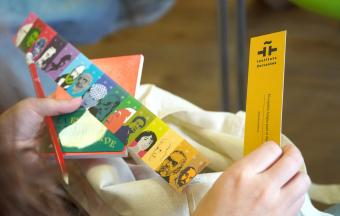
266,182
23,124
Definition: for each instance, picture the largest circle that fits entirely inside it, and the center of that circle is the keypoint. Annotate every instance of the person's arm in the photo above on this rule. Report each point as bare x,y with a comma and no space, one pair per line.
266,182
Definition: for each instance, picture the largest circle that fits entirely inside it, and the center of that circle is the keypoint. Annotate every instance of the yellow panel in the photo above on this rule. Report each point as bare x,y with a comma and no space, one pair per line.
156,155
265,90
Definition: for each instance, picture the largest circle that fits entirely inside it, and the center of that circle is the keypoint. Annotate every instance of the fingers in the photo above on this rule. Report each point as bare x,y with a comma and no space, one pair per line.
263,157
51,107
296,188
286,167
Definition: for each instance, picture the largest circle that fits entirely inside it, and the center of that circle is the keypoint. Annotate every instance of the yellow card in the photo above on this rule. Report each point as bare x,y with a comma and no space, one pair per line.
163,147
148,137
175,160
265,90
181,165
196,162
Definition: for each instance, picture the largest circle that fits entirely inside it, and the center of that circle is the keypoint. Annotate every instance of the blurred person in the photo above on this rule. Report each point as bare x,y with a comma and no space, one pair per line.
72,21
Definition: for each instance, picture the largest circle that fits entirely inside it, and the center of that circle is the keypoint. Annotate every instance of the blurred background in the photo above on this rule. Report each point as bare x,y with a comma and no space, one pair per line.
183,47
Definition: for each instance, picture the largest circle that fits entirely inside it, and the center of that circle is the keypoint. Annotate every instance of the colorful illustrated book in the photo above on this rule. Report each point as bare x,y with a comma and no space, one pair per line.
126,70
107,107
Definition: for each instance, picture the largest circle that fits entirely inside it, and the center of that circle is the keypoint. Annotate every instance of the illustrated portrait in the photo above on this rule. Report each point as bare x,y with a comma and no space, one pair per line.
93,95
125,131
185,176
44,58
144,142
51,51
118,118
22,32
30,39
105,105
172,164
66,80
83,81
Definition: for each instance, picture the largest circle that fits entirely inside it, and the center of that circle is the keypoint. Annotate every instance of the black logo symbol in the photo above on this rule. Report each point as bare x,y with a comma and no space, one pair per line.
270,49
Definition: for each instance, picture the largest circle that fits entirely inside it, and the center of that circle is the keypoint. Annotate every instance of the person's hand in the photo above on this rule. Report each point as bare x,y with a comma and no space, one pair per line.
23,124
266,182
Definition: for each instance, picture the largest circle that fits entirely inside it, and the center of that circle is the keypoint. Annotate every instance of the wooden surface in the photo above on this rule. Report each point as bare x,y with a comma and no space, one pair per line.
182,56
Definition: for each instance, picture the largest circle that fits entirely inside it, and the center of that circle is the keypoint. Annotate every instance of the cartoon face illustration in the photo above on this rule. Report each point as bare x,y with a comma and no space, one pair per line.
74,74
30,39
83,81
185,176
172,164
145,141
22,32
96,93
46,56
67,79
105,106
125,131
38,46
118,118
137,123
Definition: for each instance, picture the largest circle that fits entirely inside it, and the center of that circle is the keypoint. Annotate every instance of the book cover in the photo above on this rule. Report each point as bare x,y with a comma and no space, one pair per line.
94,140
106,106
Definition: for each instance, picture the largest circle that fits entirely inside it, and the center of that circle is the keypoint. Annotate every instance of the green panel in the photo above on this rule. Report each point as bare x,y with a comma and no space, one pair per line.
330,8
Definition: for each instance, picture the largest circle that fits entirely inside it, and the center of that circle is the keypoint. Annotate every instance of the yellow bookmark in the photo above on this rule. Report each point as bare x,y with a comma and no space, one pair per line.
265,90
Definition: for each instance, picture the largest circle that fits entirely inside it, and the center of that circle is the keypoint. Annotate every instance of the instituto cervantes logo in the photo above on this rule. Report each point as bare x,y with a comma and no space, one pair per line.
266,55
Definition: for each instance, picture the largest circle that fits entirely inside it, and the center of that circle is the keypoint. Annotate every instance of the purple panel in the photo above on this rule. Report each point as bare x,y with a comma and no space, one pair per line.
62,60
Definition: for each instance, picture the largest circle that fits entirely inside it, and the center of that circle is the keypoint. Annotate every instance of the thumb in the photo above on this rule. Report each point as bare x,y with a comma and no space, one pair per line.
51,107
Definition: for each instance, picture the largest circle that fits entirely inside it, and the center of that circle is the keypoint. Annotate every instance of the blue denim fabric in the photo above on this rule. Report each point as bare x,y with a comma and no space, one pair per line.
78,21
84,21
334,210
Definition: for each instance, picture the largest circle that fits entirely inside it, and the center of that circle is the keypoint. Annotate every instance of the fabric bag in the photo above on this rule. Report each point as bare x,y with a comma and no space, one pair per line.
117,187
